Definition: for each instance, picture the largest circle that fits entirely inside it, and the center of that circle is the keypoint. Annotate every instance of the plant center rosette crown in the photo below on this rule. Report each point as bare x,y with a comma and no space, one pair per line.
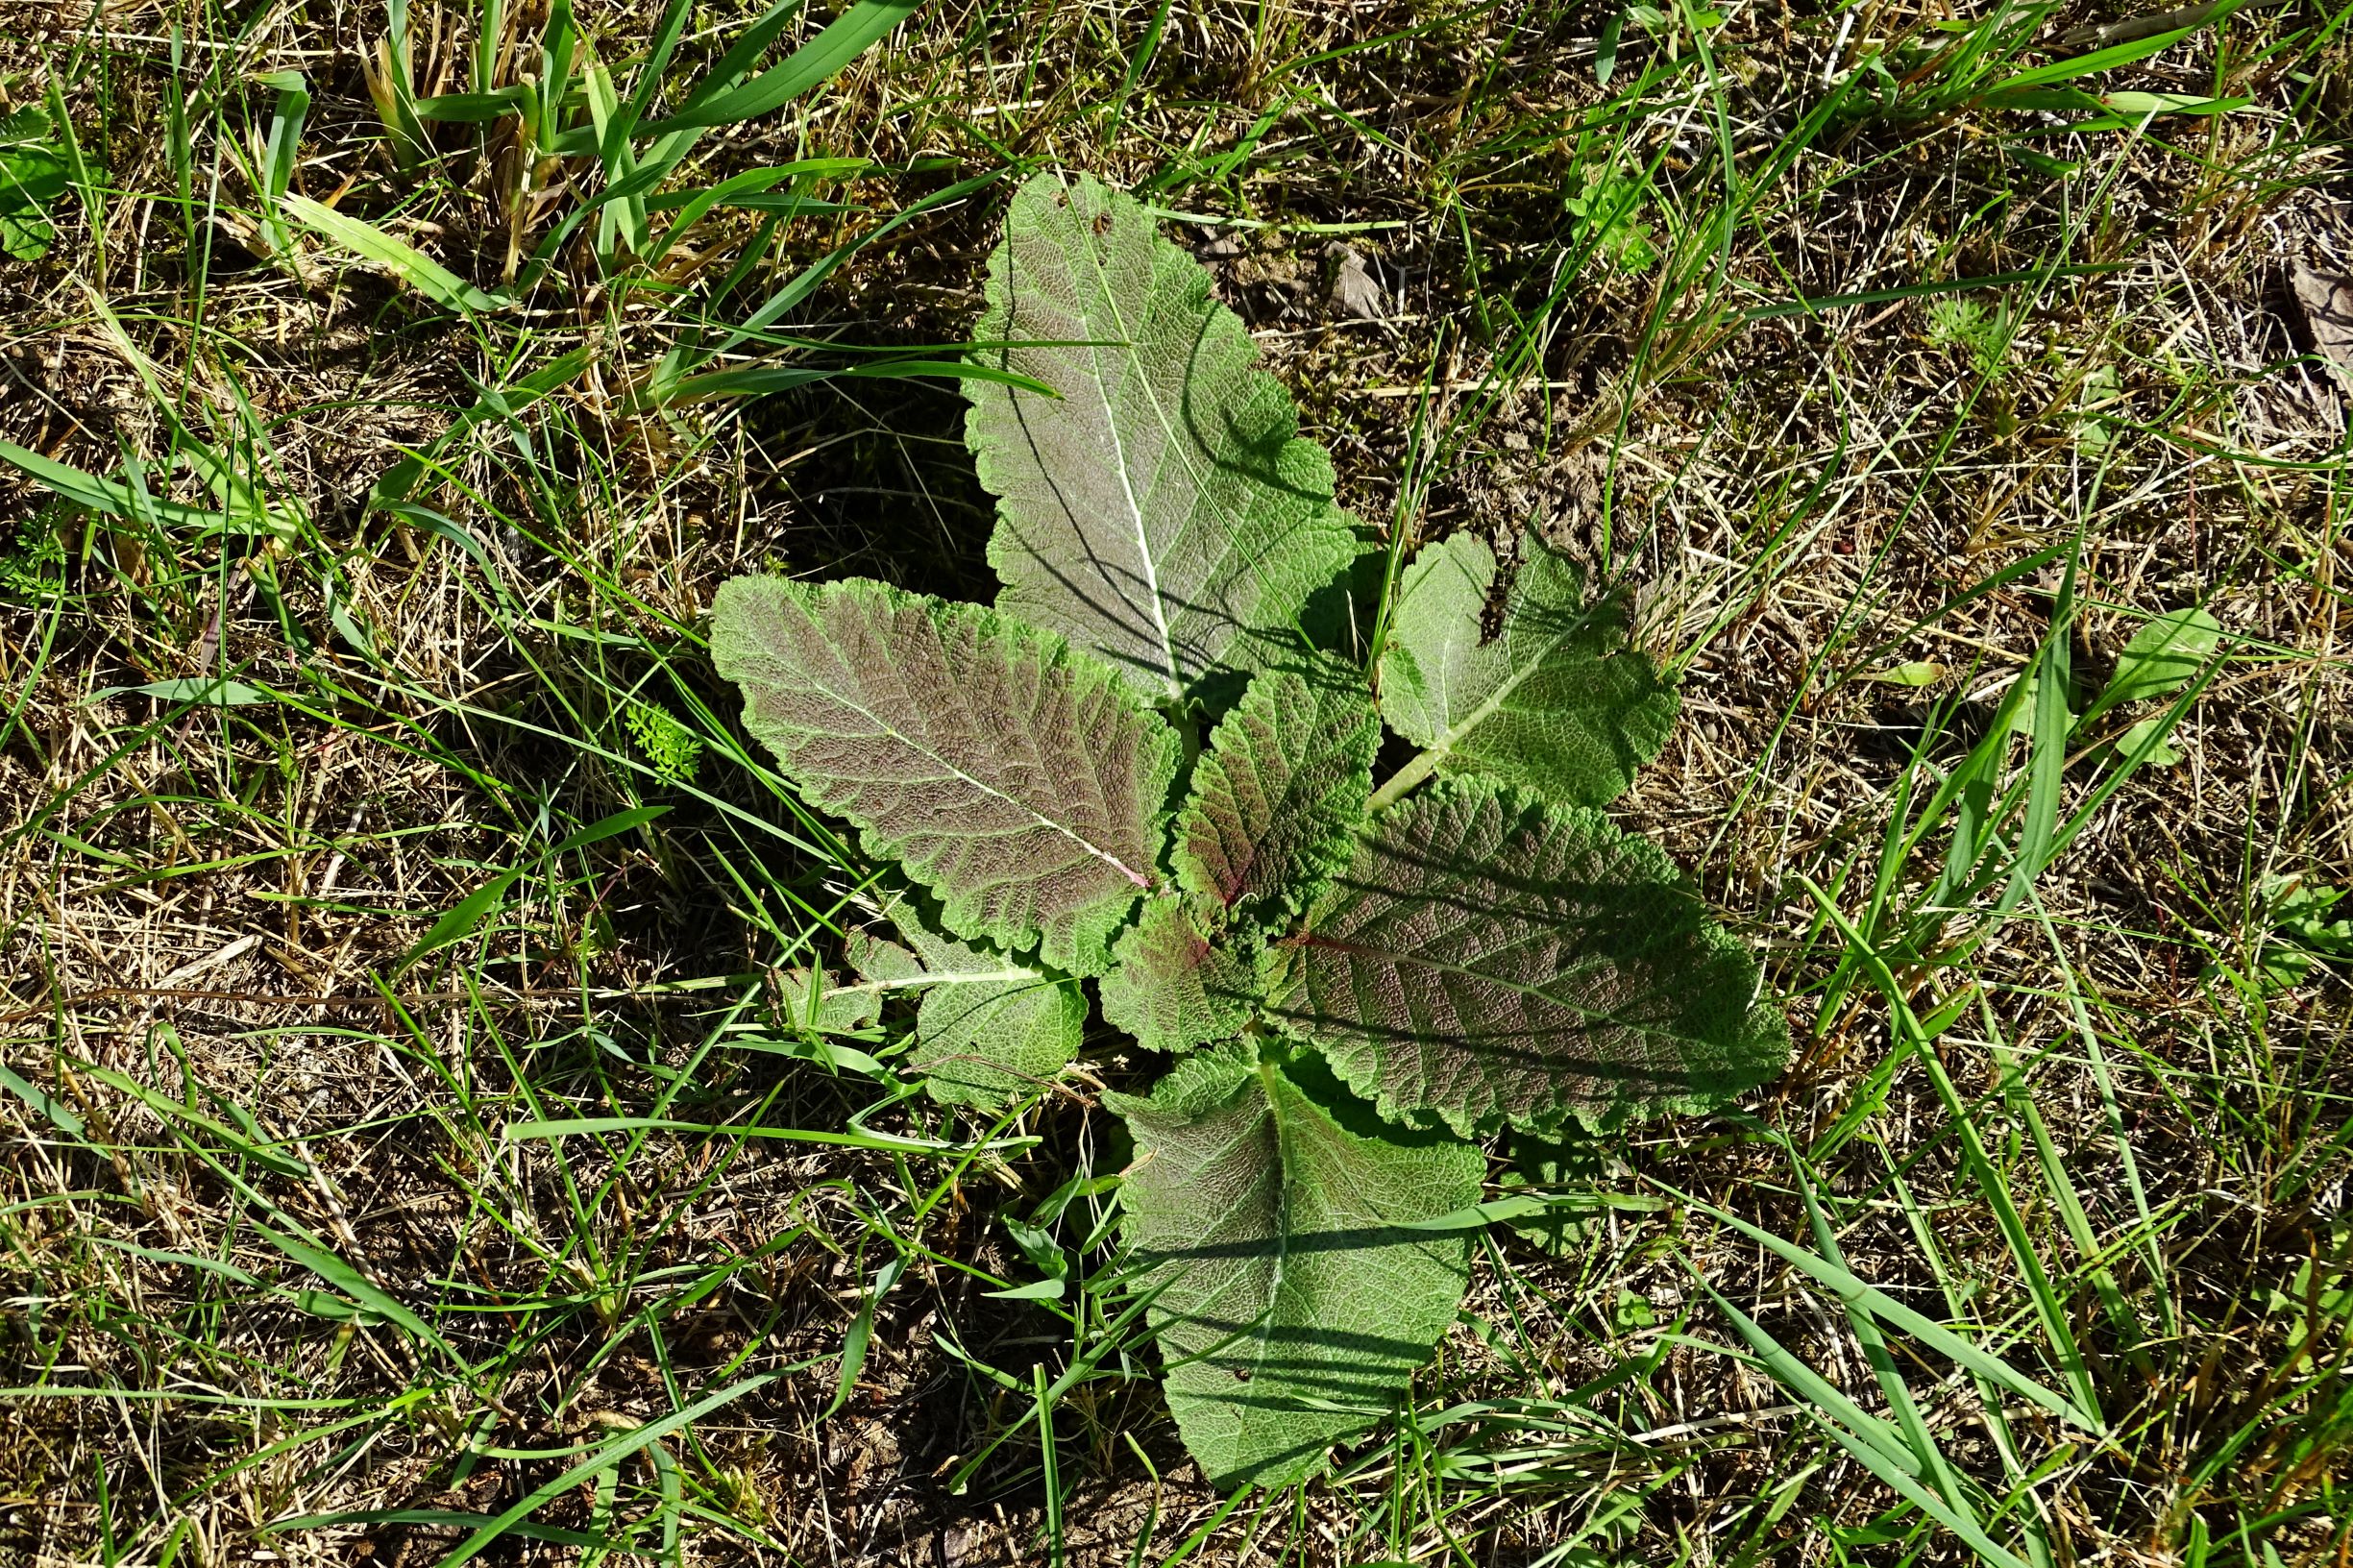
1358,981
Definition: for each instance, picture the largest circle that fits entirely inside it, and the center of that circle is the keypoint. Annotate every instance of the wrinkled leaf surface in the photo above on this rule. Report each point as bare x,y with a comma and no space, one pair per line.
1018,781
1293,1307
1490,957
1277,796
1162,511
1553,700
988,1028
1173,985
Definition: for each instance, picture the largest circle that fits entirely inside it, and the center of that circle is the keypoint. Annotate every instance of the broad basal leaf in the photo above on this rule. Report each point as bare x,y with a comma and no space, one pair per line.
1488,956
1277,795
1161,511
1293,1305
1553,700
988,1029
1174,986
1018,781
2162,658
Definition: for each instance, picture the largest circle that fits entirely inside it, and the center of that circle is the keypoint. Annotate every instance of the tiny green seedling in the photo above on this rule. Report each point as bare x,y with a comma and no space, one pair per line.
669,749
2301,930
1358,981
1610,203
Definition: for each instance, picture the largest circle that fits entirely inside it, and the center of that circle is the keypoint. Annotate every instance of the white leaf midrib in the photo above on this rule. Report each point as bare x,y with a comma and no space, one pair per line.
1144,553
1515,673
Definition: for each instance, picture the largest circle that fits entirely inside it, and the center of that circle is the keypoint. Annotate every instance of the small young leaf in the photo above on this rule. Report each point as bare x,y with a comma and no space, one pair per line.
1488,956
1277,795
1173,987
1555,701
1018,780
989,1042
2162,754
814,1001
1294,1302
989,1028
882,963
1162,510
2162,657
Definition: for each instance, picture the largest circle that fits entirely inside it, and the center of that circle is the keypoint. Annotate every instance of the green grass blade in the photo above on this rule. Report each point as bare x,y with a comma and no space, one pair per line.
411,266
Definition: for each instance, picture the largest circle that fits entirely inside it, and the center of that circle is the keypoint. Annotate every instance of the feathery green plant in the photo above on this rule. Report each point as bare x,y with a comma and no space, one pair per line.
1362,980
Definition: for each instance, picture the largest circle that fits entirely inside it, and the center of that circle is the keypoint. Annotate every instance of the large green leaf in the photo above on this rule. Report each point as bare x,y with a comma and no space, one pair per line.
1277,797
1553,700
1018,780
1174,986
1487,956
1161,510
988,1028
1293,1303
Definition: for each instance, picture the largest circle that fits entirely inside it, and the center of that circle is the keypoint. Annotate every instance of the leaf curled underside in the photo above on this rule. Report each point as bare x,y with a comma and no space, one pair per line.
1487,956
1017,779
1294,1303
1277,796
1554,700
1173,985
1161,511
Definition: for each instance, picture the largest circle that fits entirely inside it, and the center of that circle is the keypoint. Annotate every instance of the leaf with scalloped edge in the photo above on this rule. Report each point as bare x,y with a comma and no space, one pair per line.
1487,956
988,1028
1553,700
1162,511
1015,779
1277,796
1295,1302
1173,985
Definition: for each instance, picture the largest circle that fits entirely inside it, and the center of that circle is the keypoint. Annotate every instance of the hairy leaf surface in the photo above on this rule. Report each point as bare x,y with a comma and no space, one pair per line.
814,1001
1277,797
1161,511
1288,1281
988,1028
1018,780
1487,956
1554,700
1173,985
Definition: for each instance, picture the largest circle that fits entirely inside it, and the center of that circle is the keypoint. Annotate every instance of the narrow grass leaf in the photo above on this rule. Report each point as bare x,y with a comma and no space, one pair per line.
1860,1296
589,1126
340,1274
1872,1443
610,1455
57,1113
442,1519
850,35
171,1110
405,261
